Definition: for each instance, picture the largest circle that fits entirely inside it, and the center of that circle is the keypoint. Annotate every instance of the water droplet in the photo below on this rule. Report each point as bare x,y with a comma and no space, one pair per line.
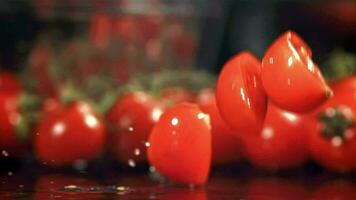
9,173
147,144
131,129
175,121
131,163
137,152
5,153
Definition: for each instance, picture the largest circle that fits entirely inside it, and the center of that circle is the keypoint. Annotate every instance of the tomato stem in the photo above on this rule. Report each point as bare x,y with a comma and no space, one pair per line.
335,123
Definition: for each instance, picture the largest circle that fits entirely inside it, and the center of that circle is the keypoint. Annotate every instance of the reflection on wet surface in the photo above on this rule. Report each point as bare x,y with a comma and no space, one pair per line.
224,183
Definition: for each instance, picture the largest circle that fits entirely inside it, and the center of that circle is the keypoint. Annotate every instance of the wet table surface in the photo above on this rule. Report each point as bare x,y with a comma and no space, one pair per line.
232,182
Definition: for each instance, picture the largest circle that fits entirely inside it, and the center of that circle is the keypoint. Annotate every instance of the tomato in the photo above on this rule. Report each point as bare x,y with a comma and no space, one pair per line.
12,142
180,144
69,134
226,147
339,189
282,143
275,189
239,94
9,83
130,121
290,77
332,141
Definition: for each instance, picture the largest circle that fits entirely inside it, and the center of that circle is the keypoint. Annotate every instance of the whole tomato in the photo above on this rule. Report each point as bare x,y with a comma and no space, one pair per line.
69,134
240,97
180,144
130,121
332,141
9,83
290,77
226,147
12,140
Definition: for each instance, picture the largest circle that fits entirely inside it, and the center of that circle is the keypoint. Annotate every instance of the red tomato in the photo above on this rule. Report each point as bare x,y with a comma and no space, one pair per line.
282,142
275,189
11,142
69,134
239,94
9,83
130,121
180,144
290,77
340,190
332,141
226,146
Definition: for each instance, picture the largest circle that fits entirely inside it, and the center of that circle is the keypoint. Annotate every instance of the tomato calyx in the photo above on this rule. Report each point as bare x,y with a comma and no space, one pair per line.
335,123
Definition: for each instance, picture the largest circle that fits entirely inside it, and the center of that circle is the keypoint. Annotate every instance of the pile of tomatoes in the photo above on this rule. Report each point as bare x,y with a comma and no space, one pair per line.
277,113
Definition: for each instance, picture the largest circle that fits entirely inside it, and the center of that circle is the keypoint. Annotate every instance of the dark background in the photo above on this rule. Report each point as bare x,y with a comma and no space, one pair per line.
226,26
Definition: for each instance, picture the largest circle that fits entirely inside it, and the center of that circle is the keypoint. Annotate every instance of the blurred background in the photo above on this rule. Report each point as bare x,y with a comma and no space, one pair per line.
152,34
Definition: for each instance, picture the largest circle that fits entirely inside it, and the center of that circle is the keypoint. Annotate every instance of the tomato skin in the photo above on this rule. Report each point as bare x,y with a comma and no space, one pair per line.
290,77
330,152
180,144
281,144
240,96
226,147
130,121
69,134
9,119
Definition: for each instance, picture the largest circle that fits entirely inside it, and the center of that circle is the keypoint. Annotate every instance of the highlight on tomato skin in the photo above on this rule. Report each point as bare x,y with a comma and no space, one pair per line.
180,145
240,96
290,77
282,143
